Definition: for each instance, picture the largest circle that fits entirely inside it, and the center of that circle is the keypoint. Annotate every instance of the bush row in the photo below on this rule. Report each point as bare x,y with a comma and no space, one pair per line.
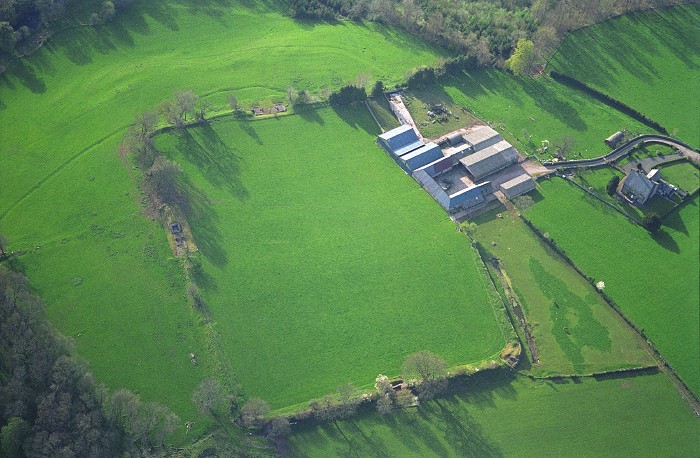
606,99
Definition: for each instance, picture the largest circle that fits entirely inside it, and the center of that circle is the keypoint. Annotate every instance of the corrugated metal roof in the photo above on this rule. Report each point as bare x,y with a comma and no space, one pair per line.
422,156
517,186
482,136
490,159
470,197
401,140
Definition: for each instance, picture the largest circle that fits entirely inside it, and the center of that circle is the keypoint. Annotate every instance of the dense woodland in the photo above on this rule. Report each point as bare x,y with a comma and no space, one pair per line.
486,29
50,404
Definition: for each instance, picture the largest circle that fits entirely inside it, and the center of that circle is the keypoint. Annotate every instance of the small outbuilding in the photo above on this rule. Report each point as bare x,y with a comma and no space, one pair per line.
615,139
518,186
455,138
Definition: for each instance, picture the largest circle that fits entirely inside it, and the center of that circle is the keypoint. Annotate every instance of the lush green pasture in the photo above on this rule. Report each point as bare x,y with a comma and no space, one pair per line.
526,111
654,279
648,60
638,416
574,329
62,113
326,264
682,174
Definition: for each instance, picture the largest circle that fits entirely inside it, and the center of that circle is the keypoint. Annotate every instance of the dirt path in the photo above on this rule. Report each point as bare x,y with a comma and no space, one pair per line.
401,112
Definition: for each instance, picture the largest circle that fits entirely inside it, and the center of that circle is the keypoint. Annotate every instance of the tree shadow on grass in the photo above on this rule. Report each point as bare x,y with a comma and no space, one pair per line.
247,127
203,220
218,163
548,100
358,117
665,240
309,113
27,76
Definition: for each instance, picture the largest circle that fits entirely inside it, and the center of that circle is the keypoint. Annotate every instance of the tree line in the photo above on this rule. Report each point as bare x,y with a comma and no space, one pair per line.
50,404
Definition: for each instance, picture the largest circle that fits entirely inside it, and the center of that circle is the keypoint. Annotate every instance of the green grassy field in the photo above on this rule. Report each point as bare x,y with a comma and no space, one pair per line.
326,263
682,174
638,416
648,60
574,329
63,112
654,279
525,110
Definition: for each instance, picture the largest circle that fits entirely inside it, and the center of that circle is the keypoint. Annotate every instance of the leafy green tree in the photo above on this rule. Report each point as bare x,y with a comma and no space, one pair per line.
523,60
611,187
652,222
12,437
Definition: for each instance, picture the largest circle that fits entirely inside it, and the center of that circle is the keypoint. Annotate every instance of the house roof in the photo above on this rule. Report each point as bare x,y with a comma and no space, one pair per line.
490,159
639,185
401,140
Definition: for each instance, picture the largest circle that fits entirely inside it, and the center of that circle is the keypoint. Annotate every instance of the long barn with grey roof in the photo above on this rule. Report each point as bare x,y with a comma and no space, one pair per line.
490,160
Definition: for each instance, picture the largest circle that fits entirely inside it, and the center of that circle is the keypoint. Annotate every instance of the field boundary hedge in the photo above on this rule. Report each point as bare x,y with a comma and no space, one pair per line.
606,99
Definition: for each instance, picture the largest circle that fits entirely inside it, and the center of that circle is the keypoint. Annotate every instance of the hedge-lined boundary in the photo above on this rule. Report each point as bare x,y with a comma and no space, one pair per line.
606,99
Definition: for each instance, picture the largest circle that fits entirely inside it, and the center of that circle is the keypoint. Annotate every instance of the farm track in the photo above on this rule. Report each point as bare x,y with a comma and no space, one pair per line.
58,169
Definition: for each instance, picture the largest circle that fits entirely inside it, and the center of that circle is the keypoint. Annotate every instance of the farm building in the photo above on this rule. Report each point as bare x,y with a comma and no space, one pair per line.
637,188
455,138
424,155
517,186
613,140
400,141
482,137
490,159
470,197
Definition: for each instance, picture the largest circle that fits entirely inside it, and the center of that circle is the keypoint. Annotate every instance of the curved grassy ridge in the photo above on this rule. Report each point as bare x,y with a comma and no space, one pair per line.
105,270
636,416
654,280
325,263
648,60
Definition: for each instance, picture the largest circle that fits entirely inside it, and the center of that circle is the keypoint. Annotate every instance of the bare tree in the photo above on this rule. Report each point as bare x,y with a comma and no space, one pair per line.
253,412
425,364
208,397
145,123
161,180
185,102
